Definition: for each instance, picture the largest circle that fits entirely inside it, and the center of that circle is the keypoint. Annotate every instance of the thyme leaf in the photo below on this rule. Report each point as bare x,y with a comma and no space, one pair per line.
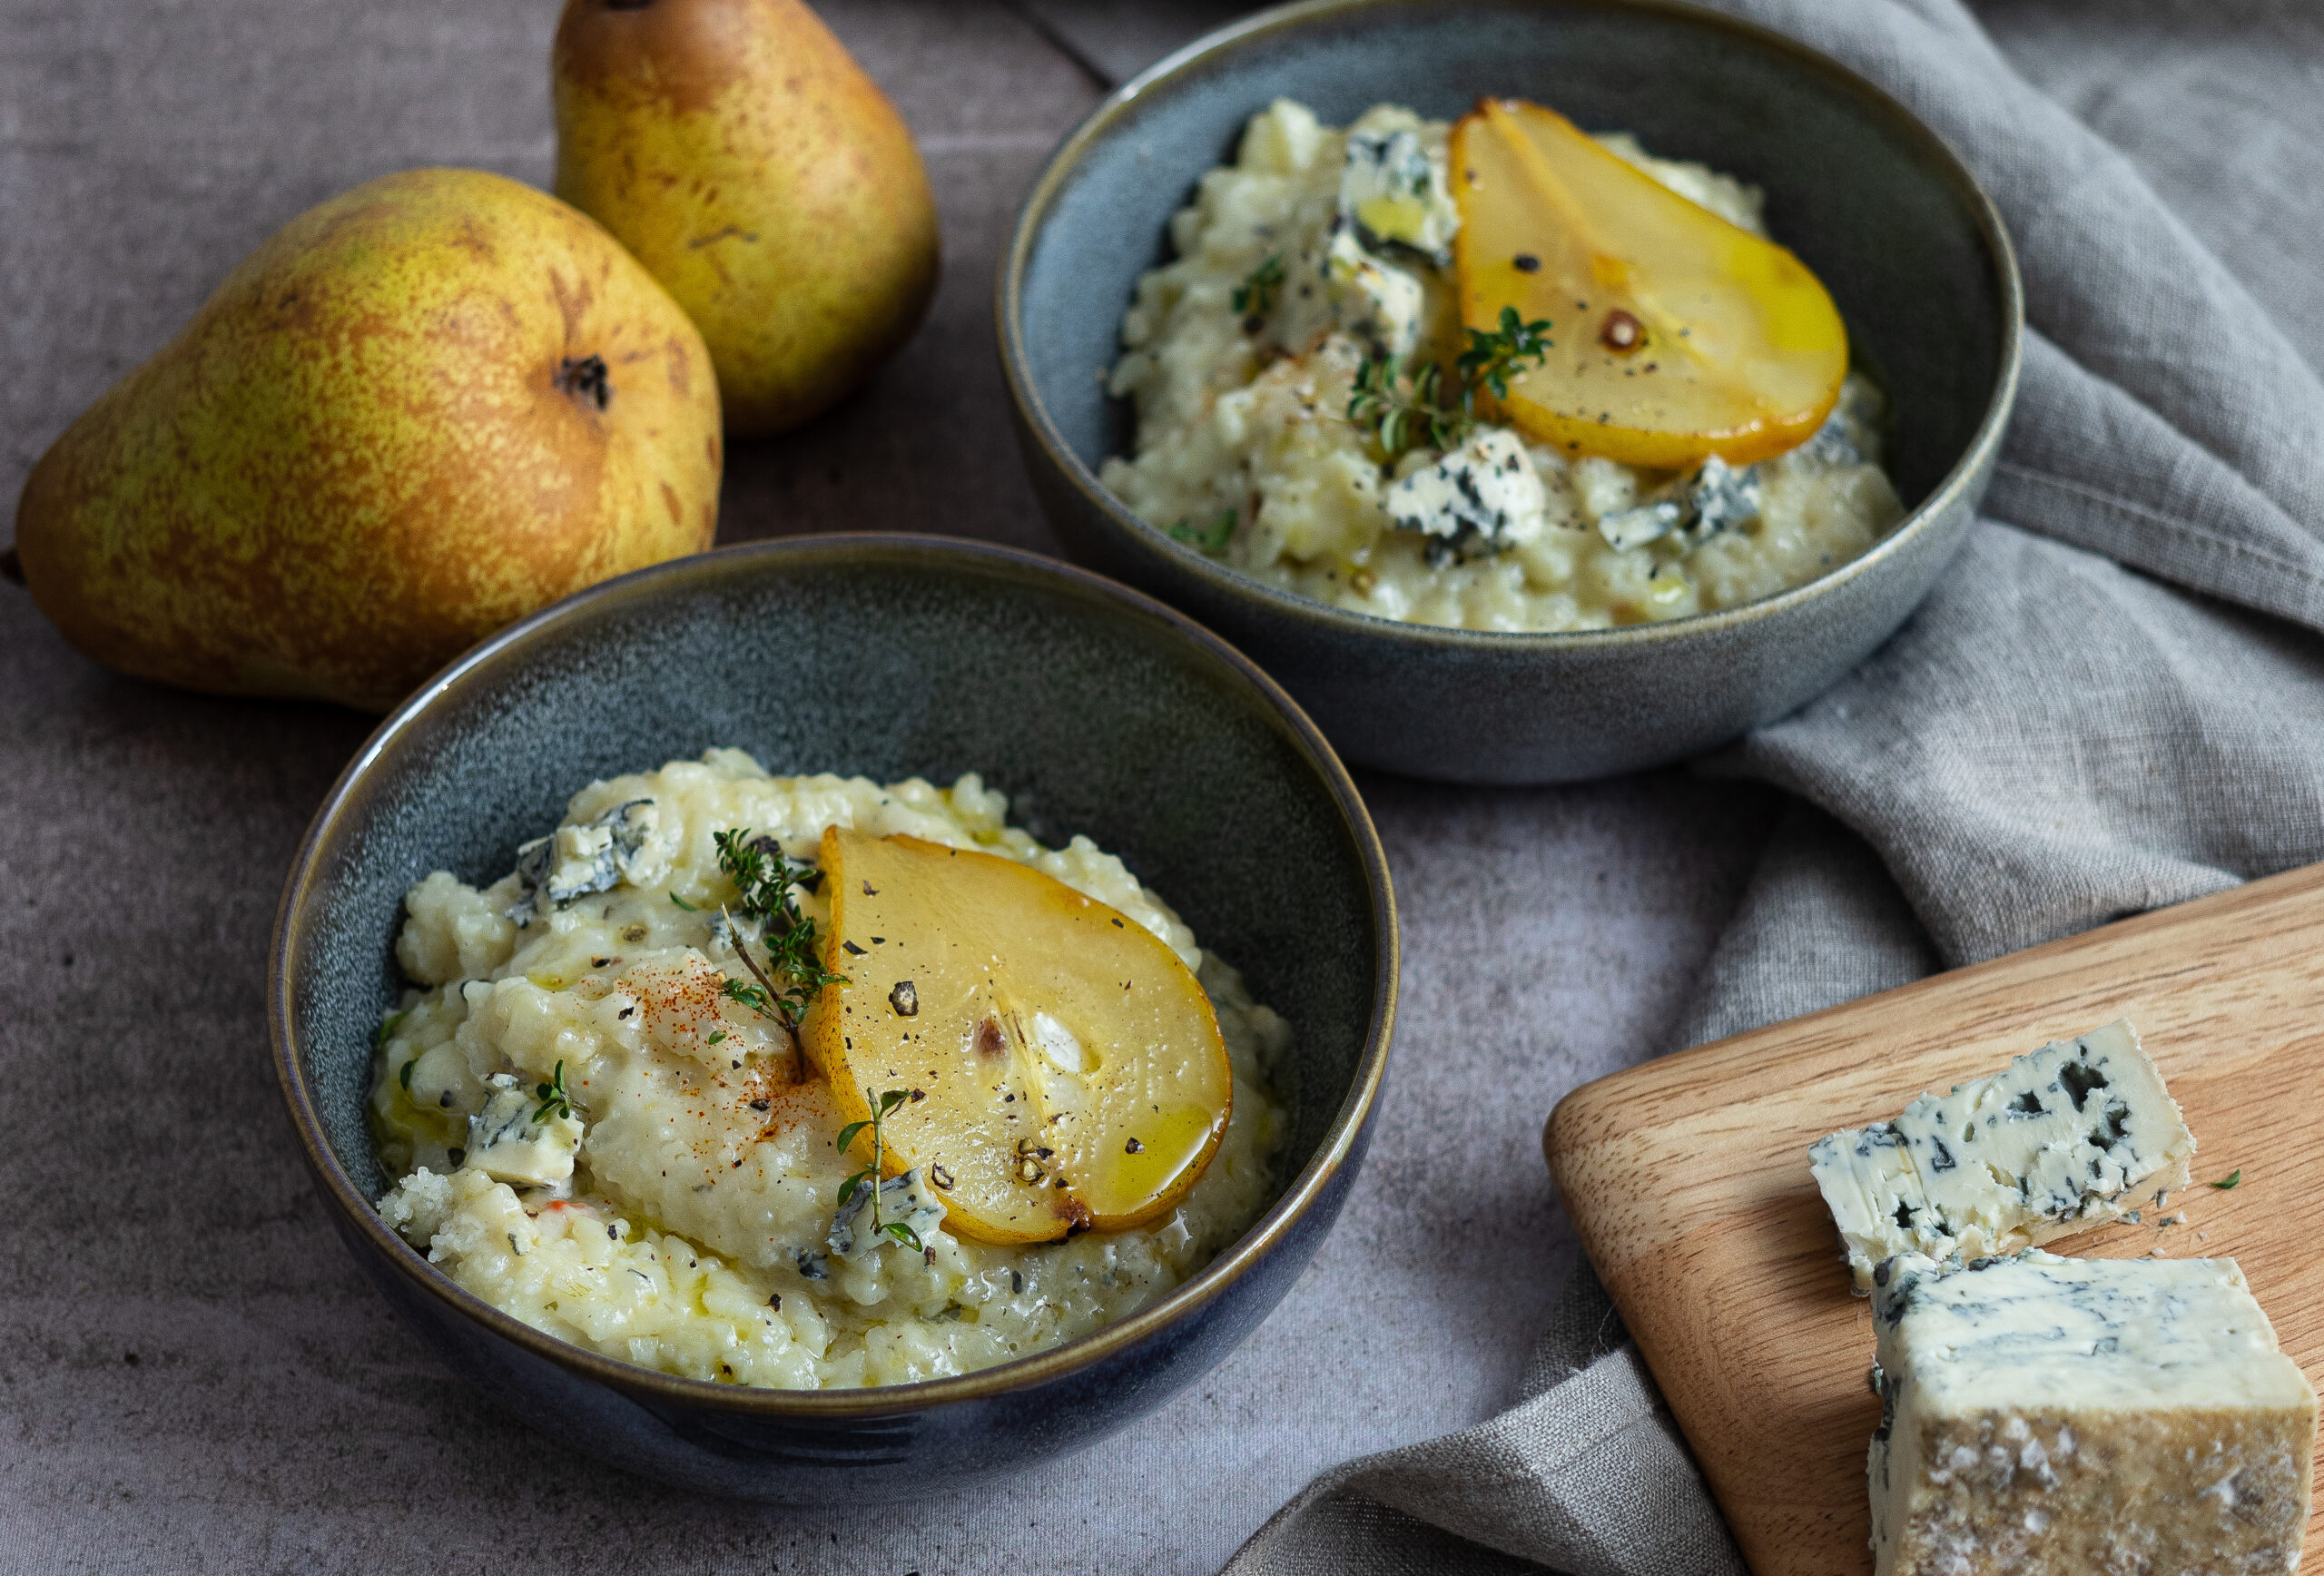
1493,358
553,1096
2233,1177
869,1177
1254,297
683,904
1209,540
753,997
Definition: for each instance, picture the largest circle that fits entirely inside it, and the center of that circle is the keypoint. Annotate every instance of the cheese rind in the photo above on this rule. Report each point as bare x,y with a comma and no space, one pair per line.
2078,1132
2048,1416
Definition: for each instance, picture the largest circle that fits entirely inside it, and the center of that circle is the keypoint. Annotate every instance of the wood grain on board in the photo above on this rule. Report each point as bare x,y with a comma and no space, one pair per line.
1687,1180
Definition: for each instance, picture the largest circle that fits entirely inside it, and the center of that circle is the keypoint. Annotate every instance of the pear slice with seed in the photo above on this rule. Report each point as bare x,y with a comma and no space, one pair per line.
1674,334
1063,1069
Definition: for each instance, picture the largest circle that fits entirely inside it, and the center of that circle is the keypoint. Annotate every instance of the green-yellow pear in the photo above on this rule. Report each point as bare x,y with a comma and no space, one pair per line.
739,151
416,413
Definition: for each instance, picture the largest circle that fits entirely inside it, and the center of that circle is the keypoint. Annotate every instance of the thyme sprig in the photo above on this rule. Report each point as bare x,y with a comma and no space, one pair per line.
764,878
1493,358
553,1096
1408,409
1405,412
870,1175
1254,297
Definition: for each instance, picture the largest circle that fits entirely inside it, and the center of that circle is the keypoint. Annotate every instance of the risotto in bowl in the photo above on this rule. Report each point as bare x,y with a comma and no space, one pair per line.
837,1017
602,1123
1538,390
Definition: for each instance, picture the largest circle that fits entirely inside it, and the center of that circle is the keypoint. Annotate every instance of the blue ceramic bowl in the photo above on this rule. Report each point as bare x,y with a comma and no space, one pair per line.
1097,710
1883,212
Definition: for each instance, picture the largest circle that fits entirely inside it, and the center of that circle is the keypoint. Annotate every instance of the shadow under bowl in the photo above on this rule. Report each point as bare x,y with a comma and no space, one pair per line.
1883,213
1095,709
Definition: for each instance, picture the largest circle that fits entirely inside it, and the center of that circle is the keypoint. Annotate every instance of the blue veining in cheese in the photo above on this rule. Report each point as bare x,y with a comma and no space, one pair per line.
2078,1132
2044,1414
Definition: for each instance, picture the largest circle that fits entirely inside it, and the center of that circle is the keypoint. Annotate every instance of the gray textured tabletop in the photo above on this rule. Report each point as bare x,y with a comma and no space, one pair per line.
192,1374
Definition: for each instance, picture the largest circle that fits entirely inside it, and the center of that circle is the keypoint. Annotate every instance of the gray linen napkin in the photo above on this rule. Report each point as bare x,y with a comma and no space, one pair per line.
2112,702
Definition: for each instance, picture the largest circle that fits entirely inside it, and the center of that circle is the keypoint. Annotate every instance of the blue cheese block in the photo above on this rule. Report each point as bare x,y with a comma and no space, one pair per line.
2078,1132
2047,1416
1394,192
574,861
1370,298
519,1139
1722,498
1484,498
1643,523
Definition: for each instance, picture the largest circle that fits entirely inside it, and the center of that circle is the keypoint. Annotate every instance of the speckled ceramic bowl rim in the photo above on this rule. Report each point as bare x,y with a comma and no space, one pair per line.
1267,26
485,664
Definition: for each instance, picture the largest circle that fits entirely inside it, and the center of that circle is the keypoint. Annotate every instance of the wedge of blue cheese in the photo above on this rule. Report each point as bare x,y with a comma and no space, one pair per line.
2078,1132
2047,1416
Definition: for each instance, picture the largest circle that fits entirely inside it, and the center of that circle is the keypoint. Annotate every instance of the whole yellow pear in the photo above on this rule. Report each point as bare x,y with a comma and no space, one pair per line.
738,151
417,413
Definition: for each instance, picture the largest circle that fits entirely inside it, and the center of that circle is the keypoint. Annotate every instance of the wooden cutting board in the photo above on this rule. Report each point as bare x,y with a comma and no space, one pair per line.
1687,1180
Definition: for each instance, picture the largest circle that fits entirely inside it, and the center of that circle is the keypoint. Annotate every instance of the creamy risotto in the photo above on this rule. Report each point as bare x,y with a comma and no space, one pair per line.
1318,250
589,1130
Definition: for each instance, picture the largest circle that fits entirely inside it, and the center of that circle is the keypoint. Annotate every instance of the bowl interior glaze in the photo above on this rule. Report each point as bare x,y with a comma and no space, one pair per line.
1096,710
1866,197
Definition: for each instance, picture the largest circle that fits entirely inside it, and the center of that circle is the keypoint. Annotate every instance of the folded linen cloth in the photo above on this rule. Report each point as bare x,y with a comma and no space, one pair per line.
2113,700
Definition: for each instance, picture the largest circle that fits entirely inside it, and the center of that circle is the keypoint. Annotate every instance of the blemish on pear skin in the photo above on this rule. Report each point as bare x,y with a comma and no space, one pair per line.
584,381
670,502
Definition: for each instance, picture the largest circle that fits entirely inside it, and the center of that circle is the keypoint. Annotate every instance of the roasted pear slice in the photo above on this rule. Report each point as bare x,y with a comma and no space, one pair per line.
1675,335
1065,1069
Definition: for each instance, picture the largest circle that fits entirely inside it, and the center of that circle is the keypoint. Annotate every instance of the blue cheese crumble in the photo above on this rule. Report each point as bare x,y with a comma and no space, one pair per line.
1482,498
517,1139
1393,191
575,861
904,1200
